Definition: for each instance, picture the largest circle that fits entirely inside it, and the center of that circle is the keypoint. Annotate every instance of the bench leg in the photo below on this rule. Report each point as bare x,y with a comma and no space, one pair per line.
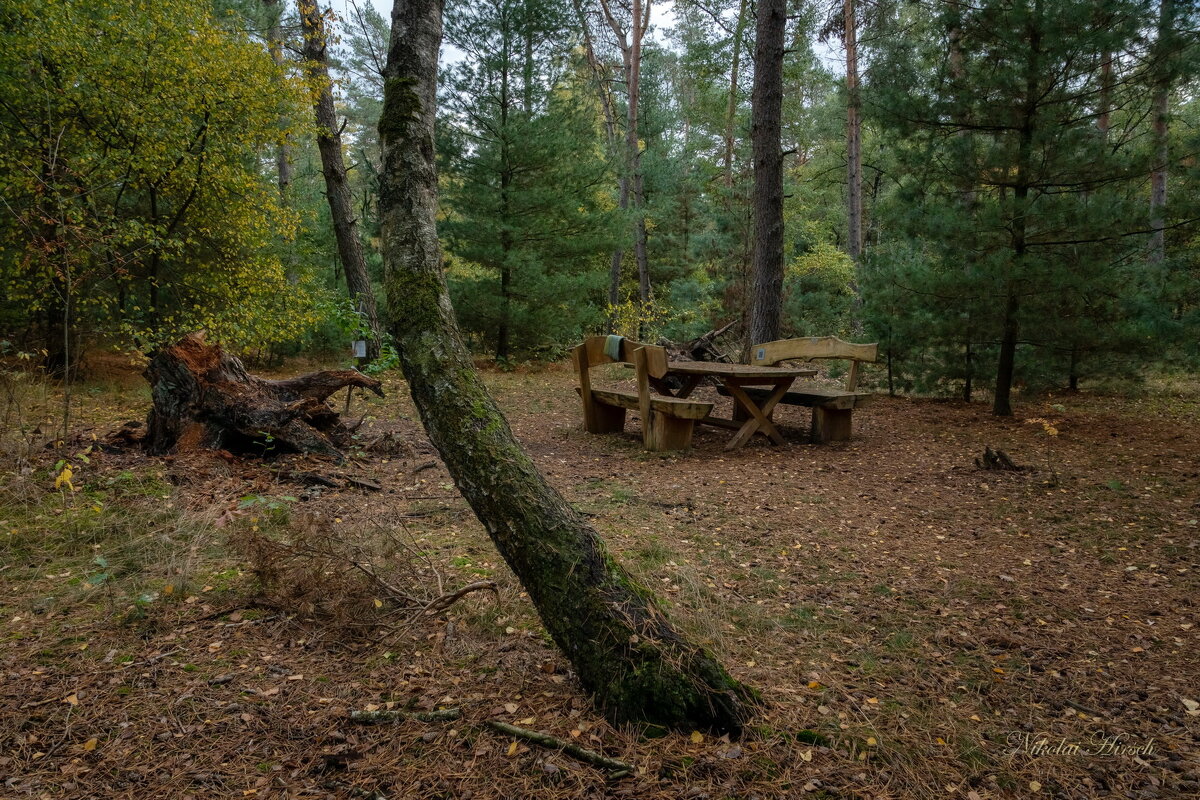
669,433
831,424
605,419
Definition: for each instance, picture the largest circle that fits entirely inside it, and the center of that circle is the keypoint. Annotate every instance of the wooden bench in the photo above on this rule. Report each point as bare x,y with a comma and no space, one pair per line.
833,409
667,422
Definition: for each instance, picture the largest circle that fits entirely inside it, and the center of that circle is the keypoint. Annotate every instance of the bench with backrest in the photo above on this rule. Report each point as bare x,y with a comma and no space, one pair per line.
667,422
833,408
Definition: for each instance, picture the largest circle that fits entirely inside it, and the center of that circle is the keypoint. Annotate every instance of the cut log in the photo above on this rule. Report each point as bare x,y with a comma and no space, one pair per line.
205,399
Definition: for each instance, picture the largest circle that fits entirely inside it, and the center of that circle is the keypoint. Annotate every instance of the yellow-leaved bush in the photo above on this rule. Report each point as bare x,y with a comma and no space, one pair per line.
136,147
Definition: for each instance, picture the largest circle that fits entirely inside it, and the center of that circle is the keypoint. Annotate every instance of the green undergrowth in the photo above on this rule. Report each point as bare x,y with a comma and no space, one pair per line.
120,536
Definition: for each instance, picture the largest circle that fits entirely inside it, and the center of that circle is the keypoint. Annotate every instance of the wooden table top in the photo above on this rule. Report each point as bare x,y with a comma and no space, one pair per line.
723,370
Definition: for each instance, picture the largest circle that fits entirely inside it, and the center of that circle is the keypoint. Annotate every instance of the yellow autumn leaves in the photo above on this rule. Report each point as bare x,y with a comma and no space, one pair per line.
64,478
163,118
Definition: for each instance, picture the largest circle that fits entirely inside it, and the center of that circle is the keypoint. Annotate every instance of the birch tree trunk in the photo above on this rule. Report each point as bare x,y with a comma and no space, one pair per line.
337,187
627,655
766,307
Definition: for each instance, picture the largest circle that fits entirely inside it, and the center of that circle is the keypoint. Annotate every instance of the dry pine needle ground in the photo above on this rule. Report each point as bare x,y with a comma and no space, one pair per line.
917,624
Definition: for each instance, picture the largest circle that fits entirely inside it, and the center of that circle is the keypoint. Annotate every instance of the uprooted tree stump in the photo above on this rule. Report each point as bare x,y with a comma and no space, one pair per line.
205,399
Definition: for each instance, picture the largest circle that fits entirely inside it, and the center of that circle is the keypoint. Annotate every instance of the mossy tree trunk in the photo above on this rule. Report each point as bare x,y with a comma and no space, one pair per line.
636,665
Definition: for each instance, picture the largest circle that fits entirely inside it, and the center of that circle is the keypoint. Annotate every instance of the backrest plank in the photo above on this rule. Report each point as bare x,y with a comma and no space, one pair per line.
656,357
810,348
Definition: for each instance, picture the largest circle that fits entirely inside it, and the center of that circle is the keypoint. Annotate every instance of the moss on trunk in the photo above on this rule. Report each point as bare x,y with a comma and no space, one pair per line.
626,653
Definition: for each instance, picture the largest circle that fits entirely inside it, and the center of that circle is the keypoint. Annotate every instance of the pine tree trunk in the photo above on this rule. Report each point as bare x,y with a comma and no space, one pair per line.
967,195
766,308
1161,111
853,137
506,175
610,134
1006,361
625,652
641,19
1104,119
337,187
632,187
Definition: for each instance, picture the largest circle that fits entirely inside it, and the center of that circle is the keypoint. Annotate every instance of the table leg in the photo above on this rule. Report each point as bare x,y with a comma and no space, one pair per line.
690,382
759,419
689,385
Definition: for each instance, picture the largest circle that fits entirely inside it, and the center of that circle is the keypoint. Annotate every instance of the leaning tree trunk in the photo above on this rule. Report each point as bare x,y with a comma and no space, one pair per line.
337,187
205,399
626,653
766,309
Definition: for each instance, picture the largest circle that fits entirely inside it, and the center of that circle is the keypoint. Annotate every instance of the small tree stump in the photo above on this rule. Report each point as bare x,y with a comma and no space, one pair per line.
996,460
205,399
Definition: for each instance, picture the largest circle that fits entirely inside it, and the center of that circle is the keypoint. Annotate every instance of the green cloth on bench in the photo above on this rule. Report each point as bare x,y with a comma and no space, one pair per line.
612,347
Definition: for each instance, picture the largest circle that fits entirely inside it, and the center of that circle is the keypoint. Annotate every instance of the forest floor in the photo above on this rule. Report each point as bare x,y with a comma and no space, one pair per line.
919,627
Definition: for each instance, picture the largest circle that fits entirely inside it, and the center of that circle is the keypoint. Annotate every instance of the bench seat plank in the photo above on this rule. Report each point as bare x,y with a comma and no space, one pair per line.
671,406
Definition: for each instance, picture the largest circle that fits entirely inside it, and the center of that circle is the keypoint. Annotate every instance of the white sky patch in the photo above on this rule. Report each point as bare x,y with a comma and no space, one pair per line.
662,17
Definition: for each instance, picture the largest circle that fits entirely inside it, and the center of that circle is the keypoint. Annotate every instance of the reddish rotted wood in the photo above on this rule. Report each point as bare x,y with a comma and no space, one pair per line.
205,399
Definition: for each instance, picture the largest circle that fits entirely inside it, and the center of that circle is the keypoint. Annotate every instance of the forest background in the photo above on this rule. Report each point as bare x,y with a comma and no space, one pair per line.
970,179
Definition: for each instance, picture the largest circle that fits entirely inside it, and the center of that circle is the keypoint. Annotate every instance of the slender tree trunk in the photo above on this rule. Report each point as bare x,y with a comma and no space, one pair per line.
632,187
506,244
1006,361
732,99
625,652
283,154
641,20
611,139
967,197
1162,154
853,137
766,309
337,187
742,227
1103,121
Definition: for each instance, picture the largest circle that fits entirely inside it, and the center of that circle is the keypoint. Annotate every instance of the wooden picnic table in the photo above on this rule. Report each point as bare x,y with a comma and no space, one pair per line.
733,377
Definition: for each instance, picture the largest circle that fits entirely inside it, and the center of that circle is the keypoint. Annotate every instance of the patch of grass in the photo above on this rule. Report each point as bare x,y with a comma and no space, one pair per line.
118,538
801,618
901,641
653,553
